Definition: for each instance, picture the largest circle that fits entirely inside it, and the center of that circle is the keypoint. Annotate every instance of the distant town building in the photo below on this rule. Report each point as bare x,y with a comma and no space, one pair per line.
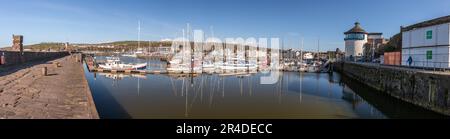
17,43
359,43
427,44
374,42
339,54
290,54
335,55
375,38
66,46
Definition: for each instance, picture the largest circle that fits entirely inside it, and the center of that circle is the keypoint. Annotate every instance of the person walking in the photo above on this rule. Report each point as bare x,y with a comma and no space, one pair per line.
410,60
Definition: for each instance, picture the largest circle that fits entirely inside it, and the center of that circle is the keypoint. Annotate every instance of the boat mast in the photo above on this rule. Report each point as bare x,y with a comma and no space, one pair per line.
301,50
192,49
184,47
139,34
281,55
212,37
139,46
318,49
202,52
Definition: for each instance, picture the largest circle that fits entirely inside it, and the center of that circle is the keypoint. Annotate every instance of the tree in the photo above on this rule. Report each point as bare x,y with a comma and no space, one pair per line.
394,45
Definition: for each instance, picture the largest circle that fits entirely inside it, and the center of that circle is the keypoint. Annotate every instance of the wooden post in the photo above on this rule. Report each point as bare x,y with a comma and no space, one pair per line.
44,71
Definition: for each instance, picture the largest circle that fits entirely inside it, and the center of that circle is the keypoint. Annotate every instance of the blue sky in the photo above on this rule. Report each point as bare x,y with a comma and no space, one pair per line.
91,21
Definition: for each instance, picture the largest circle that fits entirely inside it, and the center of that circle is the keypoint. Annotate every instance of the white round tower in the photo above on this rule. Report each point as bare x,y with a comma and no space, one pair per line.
355,39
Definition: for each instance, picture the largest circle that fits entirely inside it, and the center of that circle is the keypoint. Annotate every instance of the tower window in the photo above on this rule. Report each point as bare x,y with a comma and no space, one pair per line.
354,37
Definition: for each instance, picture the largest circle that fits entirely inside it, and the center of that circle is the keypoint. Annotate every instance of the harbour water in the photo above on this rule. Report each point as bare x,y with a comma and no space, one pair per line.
211,96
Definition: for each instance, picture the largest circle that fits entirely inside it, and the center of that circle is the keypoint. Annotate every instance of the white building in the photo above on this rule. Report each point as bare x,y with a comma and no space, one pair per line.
308,56
427,43
355,39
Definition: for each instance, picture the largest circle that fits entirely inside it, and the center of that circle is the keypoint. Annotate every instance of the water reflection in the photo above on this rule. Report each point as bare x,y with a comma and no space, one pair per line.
294,96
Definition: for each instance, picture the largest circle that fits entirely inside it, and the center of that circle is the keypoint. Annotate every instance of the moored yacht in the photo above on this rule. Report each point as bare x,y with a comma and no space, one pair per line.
116,64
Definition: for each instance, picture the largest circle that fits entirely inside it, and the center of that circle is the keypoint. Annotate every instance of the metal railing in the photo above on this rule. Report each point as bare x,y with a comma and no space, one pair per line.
434,62
437,62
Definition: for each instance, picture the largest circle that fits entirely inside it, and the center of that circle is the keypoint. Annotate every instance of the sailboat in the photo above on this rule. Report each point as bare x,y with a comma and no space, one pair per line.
185,61
316,65
302,66
239,65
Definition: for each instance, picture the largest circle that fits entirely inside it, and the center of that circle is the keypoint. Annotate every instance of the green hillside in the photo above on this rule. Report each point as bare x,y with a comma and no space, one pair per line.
45,46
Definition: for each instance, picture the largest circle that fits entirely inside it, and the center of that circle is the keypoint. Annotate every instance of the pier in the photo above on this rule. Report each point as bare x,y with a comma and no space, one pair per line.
55,89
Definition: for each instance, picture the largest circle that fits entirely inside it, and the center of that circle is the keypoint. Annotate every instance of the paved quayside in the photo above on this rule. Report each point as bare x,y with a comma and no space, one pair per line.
62,94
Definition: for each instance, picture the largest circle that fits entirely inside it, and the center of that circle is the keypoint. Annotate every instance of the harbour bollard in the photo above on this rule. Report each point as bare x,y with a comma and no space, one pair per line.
56,64
78,58
44,71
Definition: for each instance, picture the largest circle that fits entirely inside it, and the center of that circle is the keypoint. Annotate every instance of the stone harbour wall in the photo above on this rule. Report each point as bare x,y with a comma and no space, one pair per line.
427,89
13,58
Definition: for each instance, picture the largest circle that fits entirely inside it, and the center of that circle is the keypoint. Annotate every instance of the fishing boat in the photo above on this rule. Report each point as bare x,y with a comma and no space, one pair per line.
314,67
116,64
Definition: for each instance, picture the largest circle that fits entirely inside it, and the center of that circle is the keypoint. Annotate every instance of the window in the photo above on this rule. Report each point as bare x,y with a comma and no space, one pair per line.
429,55
355,37
429,34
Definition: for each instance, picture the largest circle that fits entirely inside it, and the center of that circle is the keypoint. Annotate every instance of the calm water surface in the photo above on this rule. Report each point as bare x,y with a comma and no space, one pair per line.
294,96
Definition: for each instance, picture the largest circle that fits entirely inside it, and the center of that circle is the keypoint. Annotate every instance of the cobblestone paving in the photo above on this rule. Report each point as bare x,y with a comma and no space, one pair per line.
62,94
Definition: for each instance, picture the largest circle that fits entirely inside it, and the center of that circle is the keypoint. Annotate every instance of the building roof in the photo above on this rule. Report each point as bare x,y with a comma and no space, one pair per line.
356,29
375,33
436,21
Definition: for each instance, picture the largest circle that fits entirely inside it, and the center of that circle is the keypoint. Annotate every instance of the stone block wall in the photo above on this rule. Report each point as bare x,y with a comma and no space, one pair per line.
12,58
427,89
